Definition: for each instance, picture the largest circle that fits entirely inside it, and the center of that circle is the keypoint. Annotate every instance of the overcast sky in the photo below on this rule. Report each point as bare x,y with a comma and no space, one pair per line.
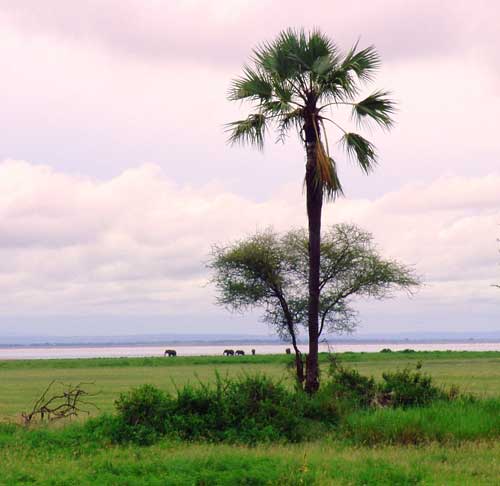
115,175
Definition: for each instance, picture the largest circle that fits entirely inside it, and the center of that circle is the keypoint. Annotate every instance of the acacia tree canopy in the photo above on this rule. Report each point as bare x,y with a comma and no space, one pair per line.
270,271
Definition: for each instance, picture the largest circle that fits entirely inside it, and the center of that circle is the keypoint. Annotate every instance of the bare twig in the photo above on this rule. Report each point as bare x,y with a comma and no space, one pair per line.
65,404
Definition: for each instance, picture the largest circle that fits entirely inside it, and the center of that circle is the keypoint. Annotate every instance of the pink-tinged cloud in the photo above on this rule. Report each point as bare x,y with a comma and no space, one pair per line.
139,242
223,31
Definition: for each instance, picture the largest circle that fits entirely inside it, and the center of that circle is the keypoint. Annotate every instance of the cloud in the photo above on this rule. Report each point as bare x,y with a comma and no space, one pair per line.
223,31
70,242
138,242
76,102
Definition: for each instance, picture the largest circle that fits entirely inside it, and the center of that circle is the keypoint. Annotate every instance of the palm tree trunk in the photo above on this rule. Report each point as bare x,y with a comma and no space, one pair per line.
314,191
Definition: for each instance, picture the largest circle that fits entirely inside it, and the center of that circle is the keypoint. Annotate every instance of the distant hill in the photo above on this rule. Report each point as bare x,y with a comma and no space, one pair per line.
212,339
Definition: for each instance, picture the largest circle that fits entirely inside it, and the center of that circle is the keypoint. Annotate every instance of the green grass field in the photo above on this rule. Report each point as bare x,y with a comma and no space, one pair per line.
21,382
311,464
58,457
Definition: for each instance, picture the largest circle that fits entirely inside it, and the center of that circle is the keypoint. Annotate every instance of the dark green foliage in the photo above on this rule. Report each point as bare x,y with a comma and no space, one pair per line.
407,350
376,107
349,386
407,388
255,409
401,388
145,406
386,350
360,149
247,410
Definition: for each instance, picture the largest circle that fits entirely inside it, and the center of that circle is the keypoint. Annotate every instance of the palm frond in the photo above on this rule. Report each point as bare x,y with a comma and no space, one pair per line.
277,58
337,85
361,150
339,82
322,65
377,107
252,84
308,50
320,46
363,63
249,131
288,121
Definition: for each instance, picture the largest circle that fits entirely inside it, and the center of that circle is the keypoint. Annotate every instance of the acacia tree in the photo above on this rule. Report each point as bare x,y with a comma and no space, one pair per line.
271,271
300,81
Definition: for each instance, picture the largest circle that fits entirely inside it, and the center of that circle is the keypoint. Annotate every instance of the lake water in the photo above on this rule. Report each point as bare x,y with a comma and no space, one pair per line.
53,352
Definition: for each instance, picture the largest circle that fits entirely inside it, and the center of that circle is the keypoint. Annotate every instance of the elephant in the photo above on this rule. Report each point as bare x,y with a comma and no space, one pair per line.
239,352
253,352
288,351
170,352
228,352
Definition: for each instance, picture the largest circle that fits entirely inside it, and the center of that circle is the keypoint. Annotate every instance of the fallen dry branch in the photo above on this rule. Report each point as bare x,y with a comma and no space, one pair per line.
65,403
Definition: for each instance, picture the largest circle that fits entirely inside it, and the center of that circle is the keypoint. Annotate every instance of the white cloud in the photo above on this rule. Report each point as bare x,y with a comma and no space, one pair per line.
221,31
138,242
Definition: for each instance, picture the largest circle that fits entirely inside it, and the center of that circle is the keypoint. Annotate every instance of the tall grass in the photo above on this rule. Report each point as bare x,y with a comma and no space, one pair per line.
314,464
443,422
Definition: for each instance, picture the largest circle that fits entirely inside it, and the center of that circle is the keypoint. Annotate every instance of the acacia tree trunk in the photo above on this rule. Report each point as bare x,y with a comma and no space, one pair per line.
314,190
299,365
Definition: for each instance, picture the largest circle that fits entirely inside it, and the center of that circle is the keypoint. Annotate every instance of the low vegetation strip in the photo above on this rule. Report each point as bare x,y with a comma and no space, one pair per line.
42,462
443,422
238,360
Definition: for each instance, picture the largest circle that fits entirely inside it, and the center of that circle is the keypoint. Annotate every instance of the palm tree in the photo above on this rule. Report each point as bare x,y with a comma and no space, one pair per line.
300,81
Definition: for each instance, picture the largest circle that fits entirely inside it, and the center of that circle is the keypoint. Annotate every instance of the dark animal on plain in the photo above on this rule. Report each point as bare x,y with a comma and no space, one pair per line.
288,351
170,352
253,352
228,352
240,352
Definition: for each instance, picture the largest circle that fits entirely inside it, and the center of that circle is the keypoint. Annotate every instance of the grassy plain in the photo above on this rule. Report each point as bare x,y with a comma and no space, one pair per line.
21,382
61,458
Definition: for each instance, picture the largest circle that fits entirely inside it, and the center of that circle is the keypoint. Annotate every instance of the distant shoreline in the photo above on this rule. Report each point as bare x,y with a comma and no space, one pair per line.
184,349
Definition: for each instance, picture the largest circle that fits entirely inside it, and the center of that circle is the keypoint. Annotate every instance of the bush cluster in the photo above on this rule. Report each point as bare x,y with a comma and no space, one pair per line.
248,410
254,409
408,388
401,388
348,387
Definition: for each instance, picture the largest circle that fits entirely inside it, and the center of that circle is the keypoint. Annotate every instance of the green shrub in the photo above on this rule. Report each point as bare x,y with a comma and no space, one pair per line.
145,406
349,386
408,388
261,409
248,410
386,350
